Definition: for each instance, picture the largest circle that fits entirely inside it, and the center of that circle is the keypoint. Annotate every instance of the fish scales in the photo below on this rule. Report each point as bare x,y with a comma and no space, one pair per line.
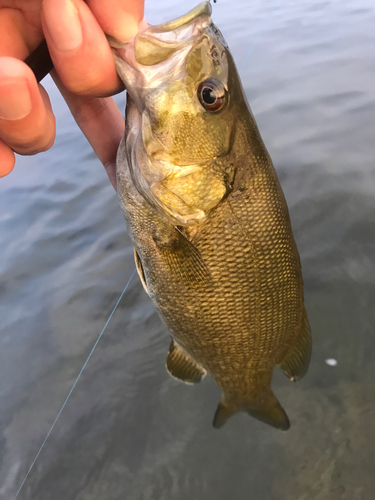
224,275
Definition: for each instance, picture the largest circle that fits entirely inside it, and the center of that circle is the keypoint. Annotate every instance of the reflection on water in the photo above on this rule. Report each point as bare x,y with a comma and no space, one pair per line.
129,430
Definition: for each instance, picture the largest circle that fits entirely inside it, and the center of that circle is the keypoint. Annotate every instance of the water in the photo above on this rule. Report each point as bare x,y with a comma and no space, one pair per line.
129,431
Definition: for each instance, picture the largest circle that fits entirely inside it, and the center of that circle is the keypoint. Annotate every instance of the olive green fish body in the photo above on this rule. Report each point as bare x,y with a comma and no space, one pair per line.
215,251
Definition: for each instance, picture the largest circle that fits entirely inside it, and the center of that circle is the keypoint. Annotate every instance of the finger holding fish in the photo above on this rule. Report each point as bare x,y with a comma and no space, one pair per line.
102,123
78,48
27,123
26,119
118,18
85,66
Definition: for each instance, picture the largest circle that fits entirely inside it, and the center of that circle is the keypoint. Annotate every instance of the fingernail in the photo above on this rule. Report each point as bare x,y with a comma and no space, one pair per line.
63,24
15,100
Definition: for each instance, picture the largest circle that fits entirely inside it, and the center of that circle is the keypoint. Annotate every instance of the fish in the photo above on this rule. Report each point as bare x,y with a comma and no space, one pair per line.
207,217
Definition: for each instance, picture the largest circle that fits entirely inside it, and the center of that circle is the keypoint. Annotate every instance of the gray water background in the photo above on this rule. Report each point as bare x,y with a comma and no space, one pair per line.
129,431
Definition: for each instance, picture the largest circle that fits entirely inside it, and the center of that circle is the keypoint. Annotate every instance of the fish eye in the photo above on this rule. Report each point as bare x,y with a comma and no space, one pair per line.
212,95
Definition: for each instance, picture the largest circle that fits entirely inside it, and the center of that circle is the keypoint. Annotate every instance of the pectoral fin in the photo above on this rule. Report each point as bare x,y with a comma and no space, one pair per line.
141,273
297,361
181,256
182,366
268,410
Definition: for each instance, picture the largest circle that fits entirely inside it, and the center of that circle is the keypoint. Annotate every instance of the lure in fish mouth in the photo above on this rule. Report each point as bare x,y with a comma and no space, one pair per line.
208,220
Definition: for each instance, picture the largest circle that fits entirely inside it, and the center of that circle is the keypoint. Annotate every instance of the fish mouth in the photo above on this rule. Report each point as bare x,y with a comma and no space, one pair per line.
203,9
159,50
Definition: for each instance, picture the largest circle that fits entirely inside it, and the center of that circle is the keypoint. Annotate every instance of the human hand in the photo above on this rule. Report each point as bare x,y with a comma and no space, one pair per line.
84,72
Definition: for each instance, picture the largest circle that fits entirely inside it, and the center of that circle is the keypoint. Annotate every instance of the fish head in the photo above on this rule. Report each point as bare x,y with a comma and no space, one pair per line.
181,77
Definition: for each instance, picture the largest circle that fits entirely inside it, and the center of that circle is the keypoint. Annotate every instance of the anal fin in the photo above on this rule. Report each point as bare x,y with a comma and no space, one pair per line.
182,366
297,361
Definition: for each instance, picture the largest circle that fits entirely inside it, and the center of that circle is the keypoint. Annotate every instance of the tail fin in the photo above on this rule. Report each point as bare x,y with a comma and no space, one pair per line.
268,410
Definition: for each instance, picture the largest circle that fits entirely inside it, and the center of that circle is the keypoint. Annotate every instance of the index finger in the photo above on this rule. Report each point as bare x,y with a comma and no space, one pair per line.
78,46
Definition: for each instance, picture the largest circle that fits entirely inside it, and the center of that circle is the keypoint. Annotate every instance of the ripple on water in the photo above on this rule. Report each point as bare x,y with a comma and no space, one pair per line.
129,431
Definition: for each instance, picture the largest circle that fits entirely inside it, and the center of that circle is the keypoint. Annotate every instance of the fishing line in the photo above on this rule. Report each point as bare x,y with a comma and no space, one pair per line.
75,383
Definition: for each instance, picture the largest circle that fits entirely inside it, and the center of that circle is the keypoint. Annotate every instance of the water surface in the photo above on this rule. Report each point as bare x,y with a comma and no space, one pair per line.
129,431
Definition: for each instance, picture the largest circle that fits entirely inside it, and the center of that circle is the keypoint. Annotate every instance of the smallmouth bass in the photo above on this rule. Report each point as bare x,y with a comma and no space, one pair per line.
208,220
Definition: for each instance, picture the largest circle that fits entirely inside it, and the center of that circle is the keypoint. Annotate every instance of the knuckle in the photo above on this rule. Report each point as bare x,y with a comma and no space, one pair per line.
33,144
33,134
